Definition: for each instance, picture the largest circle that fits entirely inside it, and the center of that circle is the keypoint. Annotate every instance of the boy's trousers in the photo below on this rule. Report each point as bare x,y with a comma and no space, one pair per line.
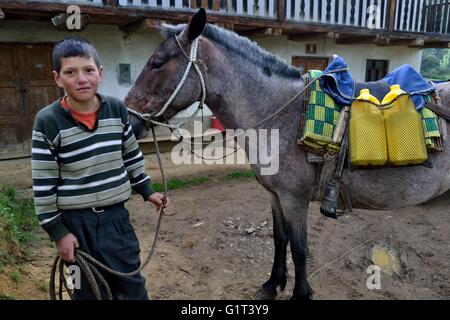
107,235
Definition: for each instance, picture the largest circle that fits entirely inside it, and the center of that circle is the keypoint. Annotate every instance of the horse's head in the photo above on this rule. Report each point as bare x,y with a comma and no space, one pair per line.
163,72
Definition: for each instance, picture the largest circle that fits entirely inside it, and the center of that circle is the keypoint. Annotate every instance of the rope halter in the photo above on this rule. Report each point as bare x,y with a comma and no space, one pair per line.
193,61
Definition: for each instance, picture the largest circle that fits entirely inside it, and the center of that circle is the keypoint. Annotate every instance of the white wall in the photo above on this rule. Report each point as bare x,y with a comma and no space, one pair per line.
354,55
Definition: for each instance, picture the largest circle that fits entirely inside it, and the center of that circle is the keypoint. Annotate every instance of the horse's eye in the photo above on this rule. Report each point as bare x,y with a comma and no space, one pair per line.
156,64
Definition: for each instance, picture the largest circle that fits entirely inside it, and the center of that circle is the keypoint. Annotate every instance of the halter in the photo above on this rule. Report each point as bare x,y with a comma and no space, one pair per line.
193,61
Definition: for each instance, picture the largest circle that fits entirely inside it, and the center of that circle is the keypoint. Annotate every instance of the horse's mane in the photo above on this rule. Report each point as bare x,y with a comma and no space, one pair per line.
242,46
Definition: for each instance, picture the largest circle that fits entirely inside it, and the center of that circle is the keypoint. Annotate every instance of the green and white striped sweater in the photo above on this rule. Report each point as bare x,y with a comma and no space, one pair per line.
75,168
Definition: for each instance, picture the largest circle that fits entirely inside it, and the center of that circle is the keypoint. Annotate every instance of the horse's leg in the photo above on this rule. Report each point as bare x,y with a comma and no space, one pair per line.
295,211
278,276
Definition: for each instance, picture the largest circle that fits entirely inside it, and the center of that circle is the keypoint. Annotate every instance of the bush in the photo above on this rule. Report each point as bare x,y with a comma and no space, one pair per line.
18,224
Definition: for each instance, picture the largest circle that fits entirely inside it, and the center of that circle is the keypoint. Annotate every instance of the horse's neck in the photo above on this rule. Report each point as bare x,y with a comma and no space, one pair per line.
250,98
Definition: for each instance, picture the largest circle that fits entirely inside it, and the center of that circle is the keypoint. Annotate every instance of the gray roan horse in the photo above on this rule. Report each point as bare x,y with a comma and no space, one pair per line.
245,84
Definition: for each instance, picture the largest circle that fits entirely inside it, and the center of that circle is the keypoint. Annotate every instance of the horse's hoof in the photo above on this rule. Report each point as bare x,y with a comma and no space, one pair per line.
308,295
262,294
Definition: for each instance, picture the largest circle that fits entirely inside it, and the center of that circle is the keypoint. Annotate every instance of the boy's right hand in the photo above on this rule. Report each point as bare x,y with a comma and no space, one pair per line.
66,247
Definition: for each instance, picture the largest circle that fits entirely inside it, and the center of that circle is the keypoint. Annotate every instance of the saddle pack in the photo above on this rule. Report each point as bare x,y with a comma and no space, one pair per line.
342,125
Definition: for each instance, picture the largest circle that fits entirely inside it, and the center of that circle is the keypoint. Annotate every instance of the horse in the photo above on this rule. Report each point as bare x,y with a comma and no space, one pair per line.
244,84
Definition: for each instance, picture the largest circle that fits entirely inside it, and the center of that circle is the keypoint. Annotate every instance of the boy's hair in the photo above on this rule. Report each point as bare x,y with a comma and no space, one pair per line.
73,47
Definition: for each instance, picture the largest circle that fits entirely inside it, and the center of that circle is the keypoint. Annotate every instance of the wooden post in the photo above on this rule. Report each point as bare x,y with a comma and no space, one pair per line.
392,15
216,5
281,10
112,3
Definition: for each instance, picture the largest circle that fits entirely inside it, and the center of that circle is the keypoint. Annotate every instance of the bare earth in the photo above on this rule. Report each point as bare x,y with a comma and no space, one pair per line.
216,243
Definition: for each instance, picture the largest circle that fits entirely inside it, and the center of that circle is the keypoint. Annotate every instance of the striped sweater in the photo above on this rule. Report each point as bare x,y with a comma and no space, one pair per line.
75,168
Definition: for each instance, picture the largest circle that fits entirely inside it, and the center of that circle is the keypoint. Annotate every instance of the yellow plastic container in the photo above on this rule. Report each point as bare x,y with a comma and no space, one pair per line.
367,135
404,130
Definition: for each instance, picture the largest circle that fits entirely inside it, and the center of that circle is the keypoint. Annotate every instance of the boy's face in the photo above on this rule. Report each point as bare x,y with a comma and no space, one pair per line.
80,77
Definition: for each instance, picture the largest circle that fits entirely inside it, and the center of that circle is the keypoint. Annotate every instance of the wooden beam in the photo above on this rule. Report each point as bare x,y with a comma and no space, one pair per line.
262,32
415,43
228,26
141,26
445,45
357,40
379,40
313,36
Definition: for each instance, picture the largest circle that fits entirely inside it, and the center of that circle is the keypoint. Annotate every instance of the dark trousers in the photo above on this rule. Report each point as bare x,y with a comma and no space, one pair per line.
109,237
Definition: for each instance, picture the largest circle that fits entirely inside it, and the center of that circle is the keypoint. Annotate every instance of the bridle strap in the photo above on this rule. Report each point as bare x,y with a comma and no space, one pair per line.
193,61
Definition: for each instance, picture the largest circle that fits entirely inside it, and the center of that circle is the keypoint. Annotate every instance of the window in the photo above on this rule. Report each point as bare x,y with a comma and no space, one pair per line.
124,74
376,69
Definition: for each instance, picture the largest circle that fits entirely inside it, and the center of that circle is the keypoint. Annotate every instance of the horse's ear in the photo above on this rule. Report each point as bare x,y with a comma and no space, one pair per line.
196,25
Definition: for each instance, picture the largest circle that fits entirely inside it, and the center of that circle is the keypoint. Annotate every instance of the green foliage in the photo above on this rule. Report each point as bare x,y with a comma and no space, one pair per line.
434,64
240,174
179,183
6,297
15,276
18,224
42,285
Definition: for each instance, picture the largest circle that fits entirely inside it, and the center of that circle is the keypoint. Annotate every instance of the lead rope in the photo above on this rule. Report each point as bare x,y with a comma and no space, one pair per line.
89,266
193,61
185,143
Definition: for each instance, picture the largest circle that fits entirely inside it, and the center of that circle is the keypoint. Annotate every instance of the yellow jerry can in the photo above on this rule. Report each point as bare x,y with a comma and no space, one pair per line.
367,135
404,130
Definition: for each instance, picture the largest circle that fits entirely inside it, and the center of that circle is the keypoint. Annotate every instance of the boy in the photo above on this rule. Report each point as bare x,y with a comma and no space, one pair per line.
84,160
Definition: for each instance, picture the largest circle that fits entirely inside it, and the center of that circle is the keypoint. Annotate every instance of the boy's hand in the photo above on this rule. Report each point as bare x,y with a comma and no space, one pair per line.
66,247
158,199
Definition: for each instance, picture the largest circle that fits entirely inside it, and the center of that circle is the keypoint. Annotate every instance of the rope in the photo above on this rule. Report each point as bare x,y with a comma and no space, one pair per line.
90,266
265,119
175,129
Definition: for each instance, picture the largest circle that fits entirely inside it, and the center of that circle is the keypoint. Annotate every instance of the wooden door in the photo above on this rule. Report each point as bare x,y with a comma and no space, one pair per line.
26,86
309,63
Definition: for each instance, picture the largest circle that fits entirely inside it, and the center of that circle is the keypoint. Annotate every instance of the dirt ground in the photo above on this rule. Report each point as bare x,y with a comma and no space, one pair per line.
216,243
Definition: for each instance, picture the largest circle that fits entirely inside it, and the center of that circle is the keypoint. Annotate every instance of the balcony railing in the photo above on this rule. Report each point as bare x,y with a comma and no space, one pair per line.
258,8
357,13
431,16
420,16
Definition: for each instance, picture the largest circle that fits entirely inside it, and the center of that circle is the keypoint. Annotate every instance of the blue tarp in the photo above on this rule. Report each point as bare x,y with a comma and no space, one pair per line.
340,86
411,82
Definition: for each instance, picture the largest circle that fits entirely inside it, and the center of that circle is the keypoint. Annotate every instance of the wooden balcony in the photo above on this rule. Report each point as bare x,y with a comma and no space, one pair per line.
416,22
432,16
